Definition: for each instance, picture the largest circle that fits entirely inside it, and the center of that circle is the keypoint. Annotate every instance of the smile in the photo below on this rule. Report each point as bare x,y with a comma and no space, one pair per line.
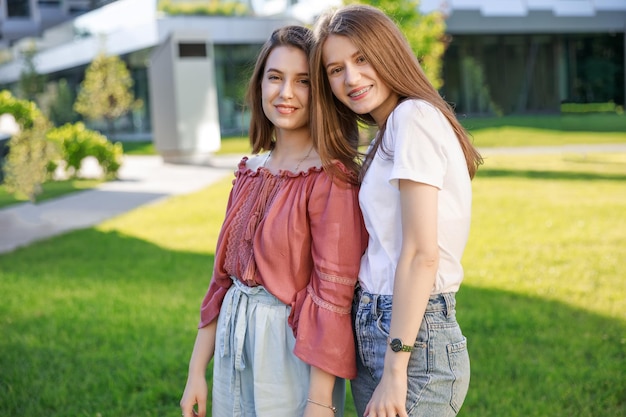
357,93
285,109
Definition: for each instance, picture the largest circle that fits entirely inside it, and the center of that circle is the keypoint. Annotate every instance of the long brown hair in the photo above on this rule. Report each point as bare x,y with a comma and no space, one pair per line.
384,46
261,128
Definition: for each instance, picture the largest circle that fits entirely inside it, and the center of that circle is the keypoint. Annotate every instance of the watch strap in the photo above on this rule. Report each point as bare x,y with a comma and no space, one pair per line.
397,345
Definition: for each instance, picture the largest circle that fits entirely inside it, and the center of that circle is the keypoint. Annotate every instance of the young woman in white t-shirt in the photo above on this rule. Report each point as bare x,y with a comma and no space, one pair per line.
416,201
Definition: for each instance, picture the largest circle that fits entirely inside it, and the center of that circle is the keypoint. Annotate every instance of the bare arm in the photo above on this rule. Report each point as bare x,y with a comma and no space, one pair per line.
415,277
321,391
196,389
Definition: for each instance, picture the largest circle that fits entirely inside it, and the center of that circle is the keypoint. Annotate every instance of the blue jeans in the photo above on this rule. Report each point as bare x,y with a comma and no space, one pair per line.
439,367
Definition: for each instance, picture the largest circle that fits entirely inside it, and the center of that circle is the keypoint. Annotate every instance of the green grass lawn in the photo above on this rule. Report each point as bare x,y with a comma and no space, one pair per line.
51,189
490,132
509,131
100,322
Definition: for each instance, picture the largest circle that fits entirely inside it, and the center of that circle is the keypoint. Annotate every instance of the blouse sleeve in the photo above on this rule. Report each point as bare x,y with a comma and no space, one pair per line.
322,316
220,282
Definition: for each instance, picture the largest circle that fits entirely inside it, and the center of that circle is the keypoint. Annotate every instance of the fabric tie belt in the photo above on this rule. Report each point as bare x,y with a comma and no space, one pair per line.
235,323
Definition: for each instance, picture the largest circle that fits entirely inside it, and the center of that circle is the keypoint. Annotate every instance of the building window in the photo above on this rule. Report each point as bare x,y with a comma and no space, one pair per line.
192,50
18,8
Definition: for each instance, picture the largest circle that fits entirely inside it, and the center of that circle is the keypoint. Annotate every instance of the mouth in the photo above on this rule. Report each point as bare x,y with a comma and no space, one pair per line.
356,94
283,109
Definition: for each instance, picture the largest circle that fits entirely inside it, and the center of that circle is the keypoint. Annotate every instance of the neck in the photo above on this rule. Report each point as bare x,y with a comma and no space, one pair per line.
292,143
291,154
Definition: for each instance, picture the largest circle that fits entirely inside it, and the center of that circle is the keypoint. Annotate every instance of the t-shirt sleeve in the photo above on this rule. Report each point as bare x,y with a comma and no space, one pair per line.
416,133
322,312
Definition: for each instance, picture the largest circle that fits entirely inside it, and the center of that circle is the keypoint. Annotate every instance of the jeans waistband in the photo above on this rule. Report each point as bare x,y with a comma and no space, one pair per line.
445,302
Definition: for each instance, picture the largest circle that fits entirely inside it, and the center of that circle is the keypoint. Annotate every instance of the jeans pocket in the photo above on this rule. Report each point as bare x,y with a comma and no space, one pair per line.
418,375
458,358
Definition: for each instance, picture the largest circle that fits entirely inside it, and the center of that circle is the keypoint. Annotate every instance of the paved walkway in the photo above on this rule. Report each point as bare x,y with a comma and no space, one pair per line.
145,180
536,150
142,180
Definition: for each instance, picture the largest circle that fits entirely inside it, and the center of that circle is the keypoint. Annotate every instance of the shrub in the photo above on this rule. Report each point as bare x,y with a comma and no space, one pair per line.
76,142
25,168
577,108
203,8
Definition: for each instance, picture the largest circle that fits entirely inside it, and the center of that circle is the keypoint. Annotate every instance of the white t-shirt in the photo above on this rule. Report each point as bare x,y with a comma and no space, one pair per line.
422,147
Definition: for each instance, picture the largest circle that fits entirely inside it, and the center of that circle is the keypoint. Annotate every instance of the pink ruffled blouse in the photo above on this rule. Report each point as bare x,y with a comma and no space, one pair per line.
301,236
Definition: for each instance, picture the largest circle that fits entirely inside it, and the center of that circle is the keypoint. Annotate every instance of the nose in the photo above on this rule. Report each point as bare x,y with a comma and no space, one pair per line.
286,90
352,75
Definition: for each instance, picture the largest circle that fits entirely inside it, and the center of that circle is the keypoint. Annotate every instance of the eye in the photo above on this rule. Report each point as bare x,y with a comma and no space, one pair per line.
361,59
334,70
304,81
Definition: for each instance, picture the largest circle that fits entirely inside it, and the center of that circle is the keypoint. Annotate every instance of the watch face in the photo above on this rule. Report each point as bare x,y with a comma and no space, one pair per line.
396,345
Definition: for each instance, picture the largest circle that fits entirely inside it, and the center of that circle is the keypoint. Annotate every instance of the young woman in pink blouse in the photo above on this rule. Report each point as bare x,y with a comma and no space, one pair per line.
276,317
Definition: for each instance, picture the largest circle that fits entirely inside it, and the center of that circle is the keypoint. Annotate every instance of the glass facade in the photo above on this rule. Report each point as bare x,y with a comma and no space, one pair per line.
516,74
233,66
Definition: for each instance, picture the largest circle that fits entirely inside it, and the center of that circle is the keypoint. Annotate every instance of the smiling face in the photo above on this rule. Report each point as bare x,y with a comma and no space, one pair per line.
285,89
354,81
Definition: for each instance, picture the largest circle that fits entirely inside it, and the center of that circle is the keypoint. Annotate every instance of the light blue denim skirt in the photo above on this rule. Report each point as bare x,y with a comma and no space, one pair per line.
439,367
255,373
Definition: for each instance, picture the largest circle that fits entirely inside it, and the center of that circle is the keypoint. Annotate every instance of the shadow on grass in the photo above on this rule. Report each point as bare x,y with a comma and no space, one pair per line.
568,123
98,323
548,175
535,357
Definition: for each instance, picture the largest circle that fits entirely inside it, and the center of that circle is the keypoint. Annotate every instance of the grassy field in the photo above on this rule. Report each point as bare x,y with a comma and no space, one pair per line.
100,322
490,132
509,131
51,189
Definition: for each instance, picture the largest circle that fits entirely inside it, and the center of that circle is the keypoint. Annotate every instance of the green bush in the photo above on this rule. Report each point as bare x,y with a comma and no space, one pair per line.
76,142
577,108
203,8
29,152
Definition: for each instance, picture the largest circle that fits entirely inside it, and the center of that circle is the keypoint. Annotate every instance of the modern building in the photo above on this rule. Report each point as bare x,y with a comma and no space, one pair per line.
503,57
26,18
529,56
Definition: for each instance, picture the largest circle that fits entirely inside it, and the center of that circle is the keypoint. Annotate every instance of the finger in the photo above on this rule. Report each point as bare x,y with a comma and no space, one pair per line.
201,410
366,413
187,411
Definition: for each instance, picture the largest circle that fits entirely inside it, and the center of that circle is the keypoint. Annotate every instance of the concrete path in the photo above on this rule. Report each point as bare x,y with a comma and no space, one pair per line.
142,180
536,150
145,180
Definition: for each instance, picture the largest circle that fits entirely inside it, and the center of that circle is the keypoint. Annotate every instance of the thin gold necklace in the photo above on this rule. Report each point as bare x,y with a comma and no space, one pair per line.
269,154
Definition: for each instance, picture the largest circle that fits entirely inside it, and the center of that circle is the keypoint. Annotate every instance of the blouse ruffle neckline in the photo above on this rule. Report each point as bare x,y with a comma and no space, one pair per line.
280,174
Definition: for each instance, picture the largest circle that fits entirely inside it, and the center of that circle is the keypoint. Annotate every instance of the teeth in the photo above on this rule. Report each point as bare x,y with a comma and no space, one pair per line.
361,91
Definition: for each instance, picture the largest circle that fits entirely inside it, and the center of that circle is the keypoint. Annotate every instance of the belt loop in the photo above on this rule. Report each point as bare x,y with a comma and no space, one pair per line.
374,305
448,298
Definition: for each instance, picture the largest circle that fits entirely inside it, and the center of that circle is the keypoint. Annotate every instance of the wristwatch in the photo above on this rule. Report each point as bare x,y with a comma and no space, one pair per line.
397,345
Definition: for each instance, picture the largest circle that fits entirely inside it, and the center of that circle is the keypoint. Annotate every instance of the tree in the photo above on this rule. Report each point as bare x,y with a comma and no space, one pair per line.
57,102
425,32
106,92
29,150
31,83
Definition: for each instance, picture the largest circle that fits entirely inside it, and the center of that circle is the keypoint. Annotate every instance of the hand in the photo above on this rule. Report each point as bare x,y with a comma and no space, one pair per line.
195,394
389,398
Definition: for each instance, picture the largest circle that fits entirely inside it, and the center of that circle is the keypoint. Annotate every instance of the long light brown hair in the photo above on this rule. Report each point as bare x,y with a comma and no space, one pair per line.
384,46
261,128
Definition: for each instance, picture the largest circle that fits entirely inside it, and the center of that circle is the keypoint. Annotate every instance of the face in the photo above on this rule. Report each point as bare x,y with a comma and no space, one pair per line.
285,89
354,81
